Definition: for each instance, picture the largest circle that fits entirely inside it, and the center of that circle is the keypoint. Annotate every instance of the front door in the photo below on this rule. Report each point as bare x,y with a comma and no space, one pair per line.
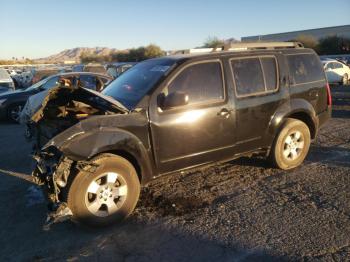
201,131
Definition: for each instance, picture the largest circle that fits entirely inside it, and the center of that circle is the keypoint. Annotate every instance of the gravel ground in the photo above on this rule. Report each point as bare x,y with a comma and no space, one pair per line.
239,211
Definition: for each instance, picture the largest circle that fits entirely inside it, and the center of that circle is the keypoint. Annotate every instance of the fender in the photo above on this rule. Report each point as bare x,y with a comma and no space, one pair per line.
293,106
79,143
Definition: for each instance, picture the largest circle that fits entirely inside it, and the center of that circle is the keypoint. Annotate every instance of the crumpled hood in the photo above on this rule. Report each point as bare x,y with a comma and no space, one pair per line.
62,95
64,107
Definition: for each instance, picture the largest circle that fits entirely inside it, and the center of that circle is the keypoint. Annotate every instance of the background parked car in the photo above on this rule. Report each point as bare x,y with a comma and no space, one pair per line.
12,103
40,74
6,82
78,68
341,58
336,71
116,69
95,68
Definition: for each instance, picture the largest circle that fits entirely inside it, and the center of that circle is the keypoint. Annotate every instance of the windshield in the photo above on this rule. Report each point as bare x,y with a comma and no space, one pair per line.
134,84
38,84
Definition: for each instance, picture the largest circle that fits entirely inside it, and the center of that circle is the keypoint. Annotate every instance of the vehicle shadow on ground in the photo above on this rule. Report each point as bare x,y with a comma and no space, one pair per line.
330,155
139,241
135,239
252,162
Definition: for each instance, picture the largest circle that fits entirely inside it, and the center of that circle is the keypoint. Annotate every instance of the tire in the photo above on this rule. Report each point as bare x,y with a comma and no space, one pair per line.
291,145
116,200
345,80
13,112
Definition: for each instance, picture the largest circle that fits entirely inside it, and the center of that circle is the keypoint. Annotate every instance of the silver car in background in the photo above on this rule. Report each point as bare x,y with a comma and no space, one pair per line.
6,82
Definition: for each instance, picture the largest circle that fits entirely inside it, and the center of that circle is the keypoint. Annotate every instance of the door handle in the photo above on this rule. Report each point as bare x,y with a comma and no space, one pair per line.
224,113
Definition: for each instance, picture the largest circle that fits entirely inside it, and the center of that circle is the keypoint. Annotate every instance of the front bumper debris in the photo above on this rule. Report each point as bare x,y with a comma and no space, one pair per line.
61,214
52,173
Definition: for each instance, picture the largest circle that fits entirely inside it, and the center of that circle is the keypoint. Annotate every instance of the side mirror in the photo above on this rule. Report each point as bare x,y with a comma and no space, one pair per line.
172,100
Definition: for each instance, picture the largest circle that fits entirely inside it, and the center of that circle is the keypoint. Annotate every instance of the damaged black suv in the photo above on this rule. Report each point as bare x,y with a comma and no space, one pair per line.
176,113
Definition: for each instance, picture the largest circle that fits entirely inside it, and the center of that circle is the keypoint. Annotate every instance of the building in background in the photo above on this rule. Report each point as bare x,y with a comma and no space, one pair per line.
318,33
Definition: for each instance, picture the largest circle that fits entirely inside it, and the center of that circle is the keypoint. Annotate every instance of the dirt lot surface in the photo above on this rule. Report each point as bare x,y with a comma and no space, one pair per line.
239,211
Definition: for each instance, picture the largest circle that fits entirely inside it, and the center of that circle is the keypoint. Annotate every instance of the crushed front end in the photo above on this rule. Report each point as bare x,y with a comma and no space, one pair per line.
53,172
63,109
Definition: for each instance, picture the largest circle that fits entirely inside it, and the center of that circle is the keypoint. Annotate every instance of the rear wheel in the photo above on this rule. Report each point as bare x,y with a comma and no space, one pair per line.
291,145
106,196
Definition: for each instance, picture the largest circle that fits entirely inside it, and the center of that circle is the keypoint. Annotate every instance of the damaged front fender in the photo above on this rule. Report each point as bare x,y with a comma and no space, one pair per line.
103,134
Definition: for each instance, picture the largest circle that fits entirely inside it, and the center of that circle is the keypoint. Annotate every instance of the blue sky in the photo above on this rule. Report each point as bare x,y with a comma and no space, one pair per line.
38,28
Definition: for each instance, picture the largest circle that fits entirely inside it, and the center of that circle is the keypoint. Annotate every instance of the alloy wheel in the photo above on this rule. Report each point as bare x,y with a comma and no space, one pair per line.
293,145
106,194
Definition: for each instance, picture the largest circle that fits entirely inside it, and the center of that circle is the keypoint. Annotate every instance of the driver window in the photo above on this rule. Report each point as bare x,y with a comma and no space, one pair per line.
201,82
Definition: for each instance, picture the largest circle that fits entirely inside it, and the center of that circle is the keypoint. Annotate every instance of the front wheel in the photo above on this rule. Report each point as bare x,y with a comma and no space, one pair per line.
291,145
106,196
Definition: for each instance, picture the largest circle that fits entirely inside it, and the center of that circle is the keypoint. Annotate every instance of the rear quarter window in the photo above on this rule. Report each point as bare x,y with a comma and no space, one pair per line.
304,68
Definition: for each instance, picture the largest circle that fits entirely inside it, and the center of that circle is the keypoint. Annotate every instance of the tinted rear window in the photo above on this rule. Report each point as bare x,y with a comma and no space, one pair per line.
248,76
304,68
255,75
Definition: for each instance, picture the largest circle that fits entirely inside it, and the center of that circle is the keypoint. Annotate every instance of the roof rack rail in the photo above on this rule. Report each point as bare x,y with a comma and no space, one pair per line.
243,47
261,45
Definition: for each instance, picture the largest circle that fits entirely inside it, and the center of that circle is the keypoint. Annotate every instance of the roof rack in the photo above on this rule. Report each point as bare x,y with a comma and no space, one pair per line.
262,45
244,46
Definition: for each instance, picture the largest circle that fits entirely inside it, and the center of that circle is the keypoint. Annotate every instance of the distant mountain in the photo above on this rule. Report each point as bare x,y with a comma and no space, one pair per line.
75,53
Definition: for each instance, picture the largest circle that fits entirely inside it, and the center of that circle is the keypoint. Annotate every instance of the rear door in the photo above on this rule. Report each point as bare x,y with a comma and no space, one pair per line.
200,132
259,83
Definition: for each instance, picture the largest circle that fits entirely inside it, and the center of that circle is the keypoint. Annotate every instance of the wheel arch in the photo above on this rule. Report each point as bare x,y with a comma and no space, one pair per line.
306,118
114,141
298,109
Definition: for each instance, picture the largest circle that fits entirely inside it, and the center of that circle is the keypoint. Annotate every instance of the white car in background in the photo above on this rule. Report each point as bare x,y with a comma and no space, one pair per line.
336,71
6,83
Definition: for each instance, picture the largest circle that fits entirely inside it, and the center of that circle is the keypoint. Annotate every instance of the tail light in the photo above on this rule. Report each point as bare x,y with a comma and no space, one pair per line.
329,95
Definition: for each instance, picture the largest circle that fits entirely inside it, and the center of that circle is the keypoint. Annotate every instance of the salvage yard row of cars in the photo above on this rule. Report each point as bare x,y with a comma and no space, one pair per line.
13,100
97,143
20,77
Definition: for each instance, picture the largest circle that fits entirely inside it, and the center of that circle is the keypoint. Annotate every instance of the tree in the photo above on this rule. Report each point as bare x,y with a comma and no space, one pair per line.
212,42
152,51
308,41
132,55
334,45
